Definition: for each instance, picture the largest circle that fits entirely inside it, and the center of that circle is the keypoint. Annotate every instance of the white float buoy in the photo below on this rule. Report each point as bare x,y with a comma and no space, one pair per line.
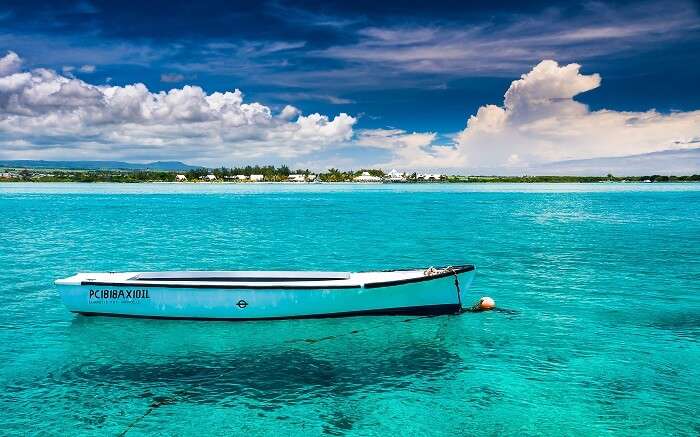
484,304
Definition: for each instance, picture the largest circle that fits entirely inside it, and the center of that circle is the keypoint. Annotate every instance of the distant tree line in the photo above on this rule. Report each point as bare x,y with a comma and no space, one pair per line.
276,174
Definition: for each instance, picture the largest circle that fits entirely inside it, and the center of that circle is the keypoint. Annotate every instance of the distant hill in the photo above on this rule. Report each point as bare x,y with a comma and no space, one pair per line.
667,162
98,165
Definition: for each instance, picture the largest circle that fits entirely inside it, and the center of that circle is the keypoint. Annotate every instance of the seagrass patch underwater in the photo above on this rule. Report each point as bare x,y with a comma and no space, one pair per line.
599,287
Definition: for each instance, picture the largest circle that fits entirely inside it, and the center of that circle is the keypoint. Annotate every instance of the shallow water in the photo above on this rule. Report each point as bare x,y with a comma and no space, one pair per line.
599,286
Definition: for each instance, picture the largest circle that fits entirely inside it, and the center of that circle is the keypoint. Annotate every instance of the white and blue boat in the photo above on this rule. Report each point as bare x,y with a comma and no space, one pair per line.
254,295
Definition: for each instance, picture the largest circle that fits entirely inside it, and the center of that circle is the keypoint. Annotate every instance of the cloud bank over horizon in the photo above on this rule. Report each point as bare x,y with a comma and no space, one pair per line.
47,115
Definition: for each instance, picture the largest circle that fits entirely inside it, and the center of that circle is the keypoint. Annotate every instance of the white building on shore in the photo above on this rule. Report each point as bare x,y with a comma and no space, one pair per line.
429,177
366,177
301,178
257,178
180,178
395,176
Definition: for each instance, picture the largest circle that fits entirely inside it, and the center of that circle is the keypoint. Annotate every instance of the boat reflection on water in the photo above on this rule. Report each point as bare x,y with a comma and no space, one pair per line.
259,364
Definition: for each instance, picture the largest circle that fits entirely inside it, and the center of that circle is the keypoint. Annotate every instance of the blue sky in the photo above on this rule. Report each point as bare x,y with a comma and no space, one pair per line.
395,68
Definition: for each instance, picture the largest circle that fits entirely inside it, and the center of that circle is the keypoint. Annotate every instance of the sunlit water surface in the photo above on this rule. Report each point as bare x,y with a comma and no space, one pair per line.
599,286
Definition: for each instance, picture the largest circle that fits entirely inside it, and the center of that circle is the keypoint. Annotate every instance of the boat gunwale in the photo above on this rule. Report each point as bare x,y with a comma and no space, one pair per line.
454,270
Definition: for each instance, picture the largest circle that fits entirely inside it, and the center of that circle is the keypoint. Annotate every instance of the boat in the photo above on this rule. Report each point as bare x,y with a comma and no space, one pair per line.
254,295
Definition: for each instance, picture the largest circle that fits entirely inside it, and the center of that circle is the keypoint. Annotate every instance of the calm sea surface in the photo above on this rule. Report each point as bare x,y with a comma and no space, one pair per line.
599,286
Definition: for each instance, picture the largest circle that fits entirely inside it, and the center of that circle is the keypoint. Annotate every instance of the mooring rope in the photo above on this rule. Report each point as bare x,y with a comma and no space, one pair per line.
459,292
157,402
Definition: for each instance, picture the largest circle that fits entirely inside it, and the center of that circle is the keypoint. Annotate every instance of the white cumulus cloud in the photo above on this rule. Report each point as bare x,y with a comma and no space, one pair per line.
47,115
409,149
540,121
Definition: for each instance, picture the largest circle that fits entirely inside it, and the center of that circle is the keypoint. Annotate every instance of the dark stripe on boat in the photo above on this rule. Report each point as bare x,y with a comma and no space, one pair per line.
237,279
226,285
425,310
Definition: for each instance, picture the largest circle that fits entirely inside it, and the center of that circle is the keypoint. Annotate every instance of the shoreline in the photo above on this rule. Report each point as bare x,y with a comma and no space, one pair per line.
459,182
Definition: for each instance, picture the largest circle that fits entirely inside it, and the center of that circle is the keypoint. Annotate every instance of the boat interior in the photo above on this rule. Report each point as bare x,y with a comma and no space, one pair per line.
241,276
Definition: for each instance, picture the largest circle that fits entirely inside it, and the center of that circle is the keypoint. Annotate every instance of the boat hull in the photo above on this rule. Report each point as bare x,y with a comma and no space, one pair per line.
435,296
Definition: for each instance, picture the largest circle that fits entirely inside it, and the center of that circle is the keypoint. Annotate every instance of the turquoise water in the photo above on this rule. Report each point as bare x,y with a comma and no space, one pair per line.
599,286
